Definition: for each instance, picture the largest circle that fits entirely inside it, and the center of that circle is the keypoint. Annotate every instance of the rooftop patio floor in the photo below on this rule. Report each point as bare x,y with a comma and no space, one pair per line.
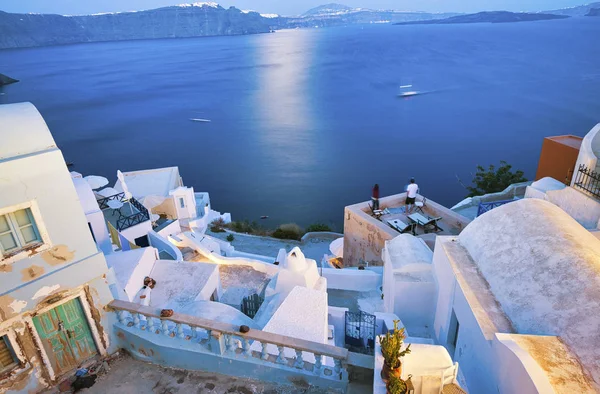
447,227
127,375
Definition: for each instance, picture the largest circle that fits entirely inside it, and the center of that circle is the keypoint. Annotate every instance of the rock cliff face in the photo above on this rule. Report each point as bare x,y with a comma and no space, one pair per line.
200,19
4,80
575,11
490,17
593,12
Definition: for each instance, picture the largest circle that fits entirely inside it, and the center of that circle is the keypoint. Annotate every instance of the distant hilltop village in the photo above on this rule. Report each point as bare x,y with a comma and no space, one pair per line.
210,19
496,294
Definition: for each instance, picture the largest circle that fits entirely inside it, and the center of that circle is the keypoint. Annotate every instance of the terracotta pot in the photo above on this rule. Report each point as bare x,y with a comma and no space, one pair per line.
386,372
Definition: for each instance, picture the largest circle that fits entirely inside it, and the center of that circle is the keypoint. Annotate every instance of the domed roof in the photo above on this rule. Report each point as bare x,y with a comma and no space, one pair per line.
23,130
406,249
544,269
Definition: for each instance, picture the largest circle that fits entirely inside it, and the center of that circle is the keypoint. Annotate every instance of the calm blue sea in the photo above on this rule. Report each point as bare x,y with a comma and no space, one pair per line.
304,122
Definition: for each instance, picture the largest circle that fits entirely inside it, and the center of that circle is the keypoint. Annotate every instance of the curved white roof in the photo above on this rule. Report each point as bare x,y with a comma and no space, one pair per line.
23,131
406,249
544,270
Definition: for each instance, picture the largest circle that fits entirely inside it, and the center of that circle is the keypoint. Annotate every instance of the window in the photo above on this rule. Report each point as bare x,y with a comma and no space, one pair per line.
18,230
92,231
453,331
7,356
181,202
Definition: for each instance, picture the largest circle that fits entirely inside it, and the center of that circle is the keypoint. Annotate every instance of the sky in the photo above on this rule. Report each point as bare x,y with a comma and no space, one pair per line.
283,7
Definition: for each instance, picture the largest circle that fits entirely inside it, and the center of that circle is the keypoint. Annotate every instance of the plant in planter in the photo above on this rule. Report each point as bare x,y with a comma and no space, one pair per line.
391,344
396,386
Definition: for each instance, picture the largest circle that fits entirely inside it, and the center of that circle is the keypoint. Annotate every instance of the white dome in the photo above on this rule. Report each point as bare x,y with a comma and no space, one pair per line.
23,131
544,270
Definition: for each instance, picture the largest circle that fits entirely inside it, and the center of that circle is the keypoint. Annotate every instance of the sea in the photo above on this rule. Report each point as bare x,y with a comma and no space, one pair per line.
304,122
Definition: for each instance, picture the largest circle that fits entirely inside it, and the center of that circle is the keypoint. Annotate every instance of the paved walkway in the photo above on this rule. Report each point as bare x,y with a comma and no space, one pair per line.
266,246
129,376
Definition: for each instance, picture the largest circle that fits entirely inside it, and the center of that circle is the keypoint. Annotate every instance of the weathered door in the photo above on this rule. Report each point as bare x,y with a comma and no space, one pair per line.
65,335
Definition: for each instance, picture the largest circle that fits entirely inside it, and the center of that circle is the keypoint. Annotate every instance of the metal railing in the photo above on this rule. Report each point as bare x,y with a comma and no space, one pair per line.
125,222
129,221
588,181
103,202
225,340
488,206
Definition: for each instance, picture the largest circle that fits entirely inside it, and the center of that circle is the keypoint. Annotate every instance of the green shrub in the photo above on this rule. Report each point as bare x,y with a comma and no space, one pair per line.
494,179
247,227
288,231
217,226
316,227
230,238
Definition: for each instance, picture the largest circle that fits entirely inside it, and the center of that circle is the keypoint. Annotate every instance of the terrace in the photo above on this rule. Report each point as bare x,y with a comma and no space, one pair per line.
365,232
123,213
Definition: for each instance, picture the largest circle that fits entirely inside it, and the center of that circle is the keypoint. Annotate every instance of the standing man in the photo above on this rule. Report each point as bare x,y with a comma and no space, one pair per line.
411,195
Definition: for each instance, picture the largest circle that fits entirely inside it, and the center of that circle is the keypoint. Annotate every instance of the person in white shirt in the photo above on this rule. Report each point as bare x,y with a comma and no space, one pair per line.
411,195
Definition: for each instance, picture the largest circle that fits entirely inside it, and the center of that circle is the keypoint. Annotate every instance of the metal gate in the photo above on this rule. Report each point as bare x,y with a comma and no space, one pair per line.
251,304
360,330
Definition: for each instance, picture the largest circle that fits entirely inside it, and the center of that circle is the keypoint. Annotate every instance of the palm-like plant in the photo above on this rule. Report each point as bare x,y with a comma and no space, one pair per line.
391,343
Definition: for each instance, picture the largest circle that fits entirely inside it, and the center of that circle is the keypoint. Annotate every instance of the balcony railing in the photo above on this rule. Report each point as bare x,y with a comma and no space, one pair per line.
103,202
125,222
225,340
488,206
129,221
588,181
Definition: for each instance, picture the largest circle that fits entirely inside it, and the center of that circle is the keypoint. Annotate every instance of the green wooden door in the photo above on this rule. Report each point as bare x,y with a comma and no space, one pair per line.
65,335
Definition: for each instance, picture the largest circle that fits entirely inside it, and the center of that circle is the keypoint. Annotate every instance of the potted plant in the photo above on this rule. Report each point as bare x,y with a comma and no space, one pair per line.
396,386
391,343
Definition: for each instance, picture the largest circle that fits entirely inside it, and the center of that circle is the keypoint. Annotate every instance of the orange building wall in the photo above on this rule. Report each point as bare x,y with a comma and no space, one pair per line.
558,157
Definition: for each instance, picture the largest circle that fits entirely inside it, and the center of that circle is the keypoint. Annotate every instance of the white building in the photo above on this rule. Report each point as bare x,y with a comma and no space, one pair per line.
52,275
518,292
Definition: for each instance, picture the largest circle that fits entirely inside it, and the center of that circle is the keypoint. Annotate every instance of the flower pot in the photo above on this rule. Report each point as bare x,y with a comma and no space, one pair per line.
386,372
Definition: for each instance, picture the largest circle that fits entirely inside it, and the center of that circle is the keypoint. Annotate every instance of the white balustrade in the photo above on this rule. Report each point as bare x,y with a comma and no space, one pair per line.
234,340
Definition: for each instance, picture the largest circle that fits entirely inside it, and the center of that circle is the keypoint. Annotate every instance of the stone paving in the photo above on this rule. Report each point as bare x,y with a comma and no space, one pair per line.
129,376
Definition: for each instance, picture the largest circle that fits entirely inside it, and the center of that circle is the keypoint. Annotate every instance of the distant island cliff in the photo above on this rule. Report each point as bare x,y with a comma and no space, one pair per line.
593,12
211,19
4,80
188,20
489,17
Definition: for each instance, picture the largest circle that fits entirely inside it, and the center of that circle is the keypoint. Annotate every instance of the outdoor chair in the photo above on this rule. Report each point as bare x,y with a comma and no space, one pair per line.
376,213
428,223
402,227
420,205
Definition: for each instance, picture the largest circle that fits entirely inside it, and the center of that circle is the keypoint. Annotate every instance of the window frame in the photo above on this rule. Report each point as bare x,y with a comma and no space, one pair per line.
20,363
4,369
16,230
181,203
25,249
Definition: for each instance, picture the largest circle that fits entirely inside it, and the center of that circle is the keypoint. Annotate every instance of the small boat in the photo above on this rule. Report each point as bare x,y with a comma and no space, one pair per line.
408,93
200,120
264,217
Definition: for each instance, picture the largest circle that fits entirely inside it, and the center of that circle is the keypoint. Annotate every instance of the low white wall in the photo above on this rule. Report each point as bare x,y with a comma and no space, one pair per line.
173,228
517,371
586,156
163,244
579,206
351,279
184,240
414,303
213,283
336,317
101,235
139,230
259,257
